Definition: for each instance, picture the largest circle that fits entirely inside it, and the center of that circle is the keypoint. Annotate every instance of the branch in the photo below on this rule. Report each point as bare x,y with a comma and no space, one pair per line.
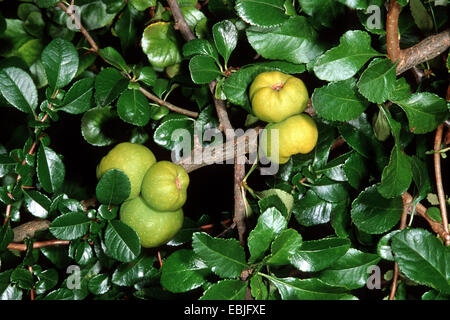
41,244
28,229
438,176
180,21
392,39
425,50
168,105
95,48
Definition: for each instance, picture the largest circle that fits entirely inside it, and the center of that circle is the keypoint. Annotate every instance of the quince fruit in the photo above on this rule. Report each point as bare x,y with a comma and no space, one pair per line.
275,96
296,134
133,159
164,186
153,227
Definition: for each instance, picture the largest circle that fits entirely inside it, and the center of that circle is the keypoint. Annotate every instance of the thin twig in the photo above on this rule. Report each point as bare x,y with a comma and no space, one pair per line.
406,210
168,105
40,244
439,185
76,20
180,21
392,40
30,268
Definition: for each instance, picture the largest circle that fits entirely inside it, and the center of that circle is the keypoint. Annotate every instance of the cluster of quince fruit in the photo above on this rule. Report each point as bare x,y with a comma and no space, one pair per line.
157,195
280,99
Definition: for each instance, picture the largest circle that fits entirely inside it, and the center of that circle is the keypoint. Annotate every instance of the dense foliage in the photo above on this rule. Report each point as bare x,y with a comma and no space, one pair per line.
327,225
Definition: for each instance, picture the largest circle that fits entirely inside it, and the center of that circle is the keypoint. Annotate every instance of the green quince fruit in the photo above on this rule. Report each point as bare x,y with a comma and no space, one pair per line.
153,227
164,186
133,159
296,134
275,96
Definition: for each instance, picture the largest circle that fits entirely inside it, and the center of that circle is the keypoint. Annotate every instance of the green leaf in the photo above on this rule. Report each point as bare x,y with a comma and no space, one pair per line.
159,43
339,101
225,37
141,5
323,12
286,198
258,288
37,203
148,76
226,290
311,210
350,270
316,255
121,241
48,279
83,252
308,289
99,284
70,226
79,97
421,178
402,90
355,170
345,60
94,15
384,249
378,80
422,258
23,278
6,236
425,111
46,3
12,292
286,244
60,294
203,69
114,58
126,28
334,169
420,14
163,133
133,107
262,13
60,60
18,89
397,176
200,47
225,257
270,224
128,274
50,169
92,124
330,190
374,214
109,84
296,36
183,271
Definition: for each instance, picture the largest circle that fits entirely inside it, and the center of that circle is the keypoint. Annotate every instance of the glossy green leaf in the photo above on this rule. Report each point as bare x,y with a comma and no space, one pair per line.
50,169
183,271
270,224
323,12
378,80
18,89
345,60
350,270
114,58
94,15
262,13
99,284
296,36
78,98
160,45
374,214
60,294
330,190
47,280
37,203
133,107
60,60
200,47
384,249
225,257
70,226
113,187
397,176
286,244
226,290
425,111
147,75
121,241
339,101
422,258
421,16
225,37
203,69
23,278
109,84
308,289
355,170
316,255
92,124
128,274
141,5
163,133
6,236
